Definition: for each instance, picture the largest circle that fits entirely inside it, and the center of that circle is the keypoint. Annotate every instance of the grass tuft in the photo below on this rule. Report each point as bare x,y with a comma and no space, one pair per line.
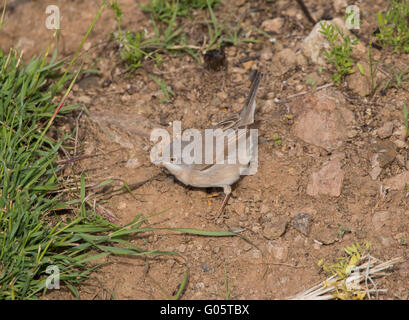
394,26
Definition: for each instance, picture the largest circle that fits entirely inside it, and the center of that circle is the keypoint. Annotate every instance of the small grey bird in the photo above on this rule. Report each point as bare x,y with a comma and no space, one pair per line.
218,174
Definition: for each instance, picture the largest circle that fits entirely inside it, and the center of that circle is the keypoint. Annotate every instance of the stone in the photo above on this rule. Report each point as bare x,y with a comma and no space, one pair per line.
283,61
121,205
386,130
264,209
314,44
84,99
359,82
375,172
322,119
302,222
275,228
327,181
266,54
182,248
133,163
279,250
273,25
382,153
400,144
397,182
404,269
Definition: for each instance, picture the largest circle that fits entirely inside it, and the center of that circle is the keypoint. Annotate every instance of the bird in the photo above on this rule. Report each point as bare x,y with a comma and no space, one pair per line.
219,173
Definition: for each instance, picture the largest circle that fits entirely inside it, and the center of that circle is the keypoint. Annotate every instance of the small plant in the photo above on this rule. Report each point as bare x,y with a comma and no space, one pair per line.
352,277
277,141
136,46
311,83
166,90
403,242
162,10
399,78
340,53
373,69
169,35
394,26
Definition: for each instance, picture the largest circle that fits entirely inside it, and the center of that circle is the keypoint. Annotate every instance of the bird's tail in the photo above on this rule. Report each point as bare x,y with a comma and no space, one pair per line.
247,112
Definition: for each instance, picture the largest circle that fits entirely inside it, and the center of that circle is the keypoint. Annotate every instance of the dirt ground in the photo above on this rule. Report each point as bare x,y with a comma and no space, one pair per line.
125,107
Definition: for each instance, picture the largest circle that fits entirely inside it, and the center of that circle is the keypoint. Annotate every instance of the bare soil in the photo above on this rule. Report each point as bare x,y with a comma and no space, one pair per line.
125,107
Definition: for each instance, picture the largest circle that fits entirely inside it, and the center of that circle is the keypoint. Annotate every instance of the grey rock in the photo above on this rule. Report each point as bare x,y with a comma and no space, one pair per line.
302,223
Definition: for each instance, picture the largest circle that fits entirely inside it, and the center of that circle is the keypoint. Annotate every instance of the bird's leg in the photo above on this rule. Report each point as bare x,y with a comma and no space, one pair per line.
227,192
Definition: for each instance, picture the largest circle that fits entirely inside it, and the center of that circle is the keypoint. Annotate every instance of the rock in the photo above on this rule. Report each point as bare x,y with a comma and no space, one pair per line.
299,241
256,254
375,172
401,160
386,241
284,61
337,156
380,219
299,87
84,99
400,144
205,268
317,246
300,60
302,222
313,46
322,119
386,130
358,82
121,205
247,66
327,181
239,207
181,248
352,133
325,235
200,286
89,82
382,153
397,182
264,209
215,101
266,54
222,95
278,249
243,217
133,163
404,269
272,25
275,228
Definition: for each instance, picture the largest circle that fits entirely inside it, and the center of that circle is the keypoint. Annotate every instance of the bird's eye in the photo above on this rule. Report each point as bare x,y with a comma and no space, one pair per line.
172,159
